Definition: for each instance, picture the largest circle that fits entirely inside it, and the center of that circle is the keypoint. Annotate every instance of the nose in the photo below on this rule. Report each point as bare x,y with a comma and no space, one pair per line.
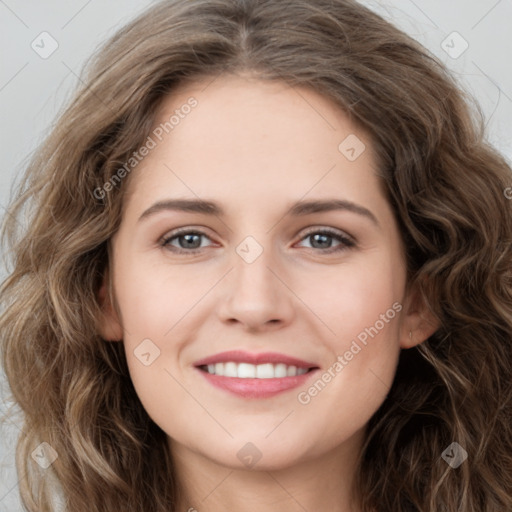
256,294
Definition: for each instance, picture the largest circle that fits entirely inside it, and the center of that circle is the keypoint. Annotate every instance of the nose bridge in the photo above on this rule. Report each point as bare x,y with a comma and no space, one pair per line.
252,262
255,295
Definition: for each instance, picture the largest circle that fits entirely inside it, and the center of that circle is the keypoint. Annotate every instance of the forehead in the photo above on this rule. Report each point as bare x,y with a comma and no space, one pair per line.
252,139
252,111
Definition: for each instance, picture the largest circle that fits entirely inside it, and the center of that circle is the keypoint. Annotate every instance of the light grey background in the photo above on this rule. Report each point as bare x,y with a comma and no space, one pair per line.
34,89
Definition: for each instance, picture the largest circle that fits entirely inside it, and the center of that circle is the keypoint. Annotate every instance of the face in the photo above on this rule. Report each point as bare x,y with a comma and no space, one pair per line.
273,315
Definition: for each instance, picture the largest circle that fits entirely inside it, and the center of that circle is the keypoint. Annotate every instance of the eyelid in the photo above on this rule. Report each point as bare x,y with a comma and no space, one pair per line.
330,231
175,233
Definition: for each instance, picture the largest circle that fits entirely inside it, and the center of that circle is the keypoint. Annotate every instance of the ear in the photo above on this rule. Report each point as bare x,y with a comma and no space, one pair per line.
109,326
419,322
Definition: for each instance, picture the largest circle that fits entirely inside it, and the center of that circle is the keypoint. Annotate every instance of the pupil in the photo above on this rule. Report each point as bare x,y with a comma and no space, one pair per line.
188,240
320,237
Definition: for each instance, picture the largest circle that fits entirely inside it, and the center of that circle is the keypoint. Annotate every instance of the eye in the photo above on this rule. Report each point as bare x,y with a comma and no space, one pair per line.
322,239
187,241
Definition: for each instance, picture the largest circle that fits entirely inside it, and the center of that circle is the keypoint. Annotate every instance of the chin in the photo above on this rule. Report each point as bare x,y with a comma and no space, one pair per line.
255,454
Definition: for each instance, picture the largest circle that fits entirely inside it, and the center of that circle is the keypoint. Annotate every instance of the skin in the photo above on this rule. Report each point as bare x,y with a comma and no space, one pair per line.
255,148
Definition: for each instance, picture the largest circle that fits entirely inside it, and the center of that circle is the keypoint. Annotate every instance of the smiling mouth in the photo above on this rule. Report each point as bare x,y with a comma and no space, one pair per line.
253,371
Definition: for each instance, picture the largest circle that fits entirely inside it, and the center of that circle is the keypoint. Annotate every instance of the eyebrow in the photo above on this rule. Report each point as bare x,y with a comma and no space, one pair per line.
297,209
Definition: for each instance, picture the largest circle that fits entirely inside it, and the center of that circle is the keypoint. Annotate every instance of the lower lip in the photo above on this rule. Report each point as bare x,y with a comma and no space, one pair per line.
256,388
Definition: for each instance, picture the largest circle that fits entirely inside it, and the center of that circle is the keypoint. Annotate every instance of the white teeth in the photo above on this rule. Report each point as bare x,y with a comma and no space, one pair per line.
230,370
251,371
280,370
265,371
246,371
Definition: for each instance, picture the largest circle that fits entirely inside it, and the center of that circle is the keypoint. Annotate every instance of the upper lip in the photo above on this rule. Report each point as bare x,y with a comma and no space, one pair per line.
239,356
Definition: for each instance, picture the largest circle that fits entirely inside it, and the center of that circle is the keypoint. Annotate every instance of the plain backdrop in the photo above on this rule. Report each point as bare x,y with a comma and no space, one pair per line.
34,87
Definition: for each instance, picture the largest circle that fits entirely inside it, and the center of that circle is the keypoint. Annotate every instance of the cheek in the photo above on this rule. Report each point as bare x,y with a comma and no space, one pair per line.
363,308
155,297
351,299
157,302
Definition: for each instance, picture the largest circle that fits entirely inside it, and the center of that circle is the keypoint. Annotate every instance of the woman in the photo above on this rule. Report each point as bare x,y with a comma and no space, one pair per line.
258,370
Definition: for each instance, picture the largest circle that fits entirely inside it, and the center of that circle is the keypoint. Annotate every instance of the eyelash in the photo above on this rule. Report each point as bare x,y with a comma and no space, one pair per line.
346,243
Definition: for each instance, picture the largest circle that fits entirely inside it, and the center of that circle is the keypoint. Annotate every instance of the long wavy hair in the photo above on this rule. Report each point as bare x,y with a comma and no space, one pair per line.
446,186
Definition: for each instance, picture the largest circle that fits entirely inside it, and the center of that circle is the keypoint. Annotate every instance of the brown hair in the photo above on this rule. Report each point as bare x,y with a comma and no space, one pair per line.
444,181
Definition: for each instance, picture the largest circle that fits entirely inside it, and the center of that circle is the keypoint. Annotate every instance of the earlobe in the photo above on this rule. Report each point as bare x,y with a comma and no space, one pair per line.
109,326
420,329
419,322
